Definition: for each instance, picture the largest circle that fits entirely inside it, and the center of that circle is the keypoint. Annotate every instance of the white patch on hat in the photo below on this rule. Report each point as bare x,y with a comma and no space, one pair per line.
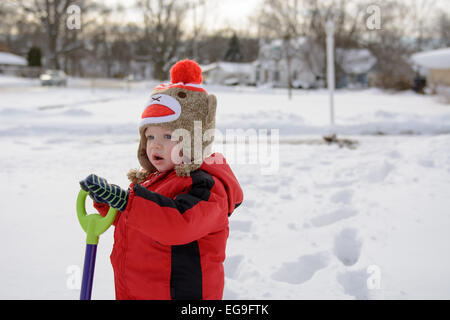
161,103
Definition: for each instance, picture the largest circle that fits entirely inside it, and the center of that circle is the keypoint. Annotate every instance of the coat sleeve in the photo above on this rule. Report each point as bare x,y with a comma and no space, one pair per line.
188,217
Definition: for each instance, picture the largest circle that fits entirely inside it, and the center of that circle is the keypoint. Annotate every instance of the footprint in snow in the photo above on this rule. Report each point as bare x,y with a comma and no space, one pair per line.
301,270
427,163
270,188
355,283
347,246
286,196
240,225
394,154
379,173
333,217
343,196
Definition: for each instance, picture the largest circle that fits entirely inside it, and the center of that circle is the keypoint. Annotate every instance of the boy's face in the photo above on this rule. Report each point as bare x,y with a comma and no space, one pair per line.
162,152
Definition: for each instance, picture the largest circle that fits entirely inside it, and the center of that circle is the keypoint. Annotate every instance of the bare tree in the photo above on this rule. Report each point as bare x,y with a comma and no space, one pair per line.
280,19
162,32
52,14
288,20
5,13
213,46
348,20
443,29
391,45
198,11
421,12
111,41
17,29
75,42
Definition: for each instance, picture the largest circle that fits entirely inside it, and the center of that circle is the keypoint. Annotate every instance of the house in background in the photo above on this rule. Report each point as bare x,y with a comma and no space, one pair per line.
11,63
357,65
271,68
308,65
140,67
228,73
437,63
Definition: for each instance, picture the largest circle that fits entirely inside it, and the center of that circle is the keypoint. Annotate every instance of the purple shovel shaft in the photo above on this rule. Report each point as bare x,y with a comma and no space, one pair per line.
88,271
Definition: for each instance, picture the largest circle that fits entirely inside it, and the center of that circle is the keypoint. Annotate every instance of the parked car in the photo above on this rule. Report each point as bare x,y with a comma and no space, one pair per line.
53,78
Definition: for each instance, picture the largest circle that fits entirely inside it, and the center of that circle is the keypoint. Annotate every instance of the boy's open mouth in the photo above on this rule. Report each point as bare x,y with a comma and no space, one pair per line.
157,157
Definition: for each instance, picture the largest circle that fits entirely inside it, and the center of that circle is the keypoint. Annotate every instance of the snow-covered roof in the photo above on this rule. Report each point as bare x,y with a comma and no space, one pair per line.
12,59
435,59
209,67
229,67
278,43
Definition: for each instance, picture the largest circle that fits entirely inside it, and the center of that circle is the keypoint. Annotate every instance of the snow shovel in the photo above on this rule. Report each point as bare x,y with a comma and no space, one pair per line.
94,225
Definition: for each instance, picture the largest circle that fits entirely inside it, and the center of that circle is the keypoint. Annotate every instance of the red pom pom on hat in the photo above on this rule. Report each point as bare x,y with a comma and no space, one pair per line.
186,71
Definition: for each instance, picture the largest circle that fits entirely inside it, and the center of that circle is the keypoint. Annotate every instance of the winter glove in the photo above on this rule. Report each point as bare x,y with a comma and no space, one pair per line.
101,191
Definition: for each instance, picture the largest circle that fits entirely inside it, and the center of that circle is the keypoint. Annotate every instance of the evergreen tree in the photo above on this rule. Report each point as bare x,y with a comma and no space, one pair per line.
233,53
34,56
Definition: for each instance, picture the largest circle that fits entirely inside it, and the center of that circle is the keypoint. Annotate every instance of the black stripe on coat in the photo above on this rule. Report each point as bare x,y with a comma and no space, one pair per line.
202,184
186,272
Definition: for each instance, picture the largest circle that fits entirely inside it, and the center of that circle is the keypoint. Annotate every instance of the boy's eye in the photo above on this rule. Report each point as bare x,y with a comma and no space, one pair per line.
168,136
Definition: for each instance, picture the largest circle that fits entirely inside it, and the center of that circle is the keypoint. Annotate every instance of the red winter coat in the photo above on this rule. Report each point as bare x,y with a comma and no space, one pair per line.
169,242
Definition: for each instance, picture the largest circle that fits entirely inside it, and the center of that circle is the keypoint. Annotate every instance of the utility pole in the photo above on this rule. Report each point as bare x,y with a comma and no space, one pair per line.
329,27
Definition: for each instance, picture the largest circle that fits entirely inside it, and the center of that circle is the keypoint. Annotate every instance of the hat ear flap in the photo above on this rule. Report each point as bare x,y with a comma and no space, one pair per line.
142,155
209,125
185,169
211,117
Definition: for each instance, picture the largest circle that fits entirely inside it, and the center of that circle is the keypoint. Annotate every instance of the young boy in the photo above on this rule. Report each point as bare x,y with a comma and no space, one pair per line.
172,225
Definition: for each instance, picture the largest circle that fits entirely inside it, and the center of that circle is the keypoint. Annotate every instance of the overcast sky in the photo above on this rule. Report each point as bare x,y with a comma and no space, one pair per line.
235,13
221,14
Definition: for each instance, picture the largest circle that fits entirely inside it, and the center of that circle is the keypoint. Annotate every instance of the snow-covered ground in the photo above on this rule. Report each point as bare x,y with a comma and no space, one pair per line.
329,222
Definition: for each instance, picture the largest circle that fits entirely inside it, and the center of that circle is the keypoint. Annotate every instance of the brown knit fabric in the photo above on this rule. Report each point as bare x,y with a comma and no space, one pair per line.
197,107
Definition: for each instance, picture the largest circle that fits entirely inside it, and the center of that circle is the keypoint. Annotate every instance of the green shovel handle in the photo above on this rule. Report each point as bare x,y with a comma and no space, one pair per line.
93,224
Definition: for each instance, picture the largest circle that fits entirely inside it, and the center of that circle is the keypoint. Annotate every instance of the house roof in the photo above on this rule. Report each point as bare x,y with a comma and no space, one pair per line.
229,67
278,43
435,59
7,58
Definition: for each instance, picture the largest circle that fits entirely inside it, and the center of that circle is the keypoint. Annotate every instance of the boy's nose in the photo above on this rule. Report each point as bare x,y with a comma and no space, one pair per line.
156,144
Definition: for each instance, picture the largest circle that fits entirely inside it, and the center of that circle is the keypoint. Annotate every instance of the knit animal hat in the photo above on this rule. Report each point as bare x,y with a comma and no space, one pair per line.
184,107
